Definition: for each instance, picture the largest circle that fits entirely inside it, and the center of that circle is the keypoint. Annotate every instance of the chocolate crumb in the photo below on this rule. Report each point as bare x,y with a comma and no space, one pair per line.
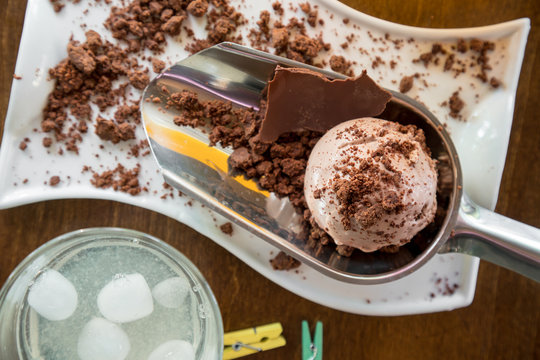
138,79
119,179
476,45
449,62
339,64
54,180
344,250
312,14
456,104
462,46
157,65
277,8
226,228
81,58
197,7
57,6
283,261
109,130
406,84
494,82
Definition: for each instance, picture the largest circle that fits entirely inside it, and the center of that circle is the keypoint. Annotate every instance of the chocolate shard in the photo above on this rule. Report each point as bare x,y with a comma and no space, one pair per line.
301,99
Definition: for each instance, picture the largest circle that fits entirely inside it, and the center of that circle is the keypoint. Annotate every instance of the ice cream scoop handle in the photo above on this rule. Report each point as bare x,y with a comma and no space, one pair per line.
497,239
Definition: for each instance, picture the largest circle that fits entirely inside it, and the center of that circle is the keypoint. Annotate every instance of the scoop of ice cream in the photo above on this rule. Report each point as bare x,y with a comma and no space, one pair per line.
371,183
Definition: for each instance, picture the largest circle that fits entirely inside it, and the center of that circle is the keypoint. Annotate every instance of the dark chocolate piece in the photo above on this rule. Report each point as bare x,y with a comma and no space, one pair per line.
301,99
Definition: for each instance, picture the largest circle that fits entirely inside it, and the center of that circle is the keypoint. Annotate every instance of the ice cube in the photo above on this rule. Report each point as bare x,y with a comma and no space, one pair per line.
125,298
171,292
173,350
101,339
53,296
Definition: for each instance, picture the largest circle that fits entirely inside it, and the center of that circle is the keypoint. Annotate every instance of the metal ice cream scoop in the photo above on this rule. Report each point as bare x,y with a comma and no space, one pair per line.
239,74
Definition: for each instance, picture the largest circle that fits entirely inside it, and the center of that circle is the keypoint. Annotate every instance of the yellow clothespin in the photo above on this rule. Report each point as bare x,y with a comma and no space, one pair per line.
249,341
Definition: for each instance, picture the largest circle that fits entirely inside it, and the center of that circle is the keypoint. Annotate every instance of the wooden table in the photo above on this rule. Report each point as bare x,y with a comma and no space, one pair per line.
502,322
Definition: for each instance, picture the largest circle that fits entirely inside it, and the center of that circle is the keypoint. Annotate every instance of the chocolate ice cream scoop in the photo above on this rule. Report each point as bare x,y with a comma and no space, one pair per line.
371,183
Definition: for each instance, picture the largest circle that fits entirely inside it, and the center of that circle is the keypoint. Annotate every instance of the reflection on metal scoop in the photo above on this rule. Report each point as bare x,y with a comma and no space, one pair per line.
238,74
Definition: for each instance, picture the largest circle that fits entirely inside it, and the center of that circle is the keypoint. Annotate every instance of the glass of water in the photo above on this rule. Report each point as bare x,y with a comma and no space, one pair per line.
108,293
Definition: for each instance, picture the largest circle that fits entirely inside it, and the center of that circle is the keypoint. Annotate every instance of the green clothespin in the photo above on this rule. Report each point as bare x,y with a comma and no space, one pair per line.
312,350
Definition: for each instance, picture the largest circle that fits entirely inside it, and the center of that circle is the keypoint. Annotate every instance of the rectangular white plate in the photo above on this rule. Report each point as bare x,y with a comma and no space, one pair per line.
481,140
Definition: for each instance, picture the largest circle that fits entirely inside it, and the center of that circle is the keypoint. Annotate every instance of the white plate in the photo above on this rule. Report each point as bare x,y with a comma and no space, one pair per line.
481,141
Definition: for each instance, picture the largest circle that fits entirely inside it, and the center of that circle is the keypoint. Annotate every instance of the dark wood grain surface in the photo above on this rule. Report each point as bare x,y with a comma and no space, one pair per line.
504,319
